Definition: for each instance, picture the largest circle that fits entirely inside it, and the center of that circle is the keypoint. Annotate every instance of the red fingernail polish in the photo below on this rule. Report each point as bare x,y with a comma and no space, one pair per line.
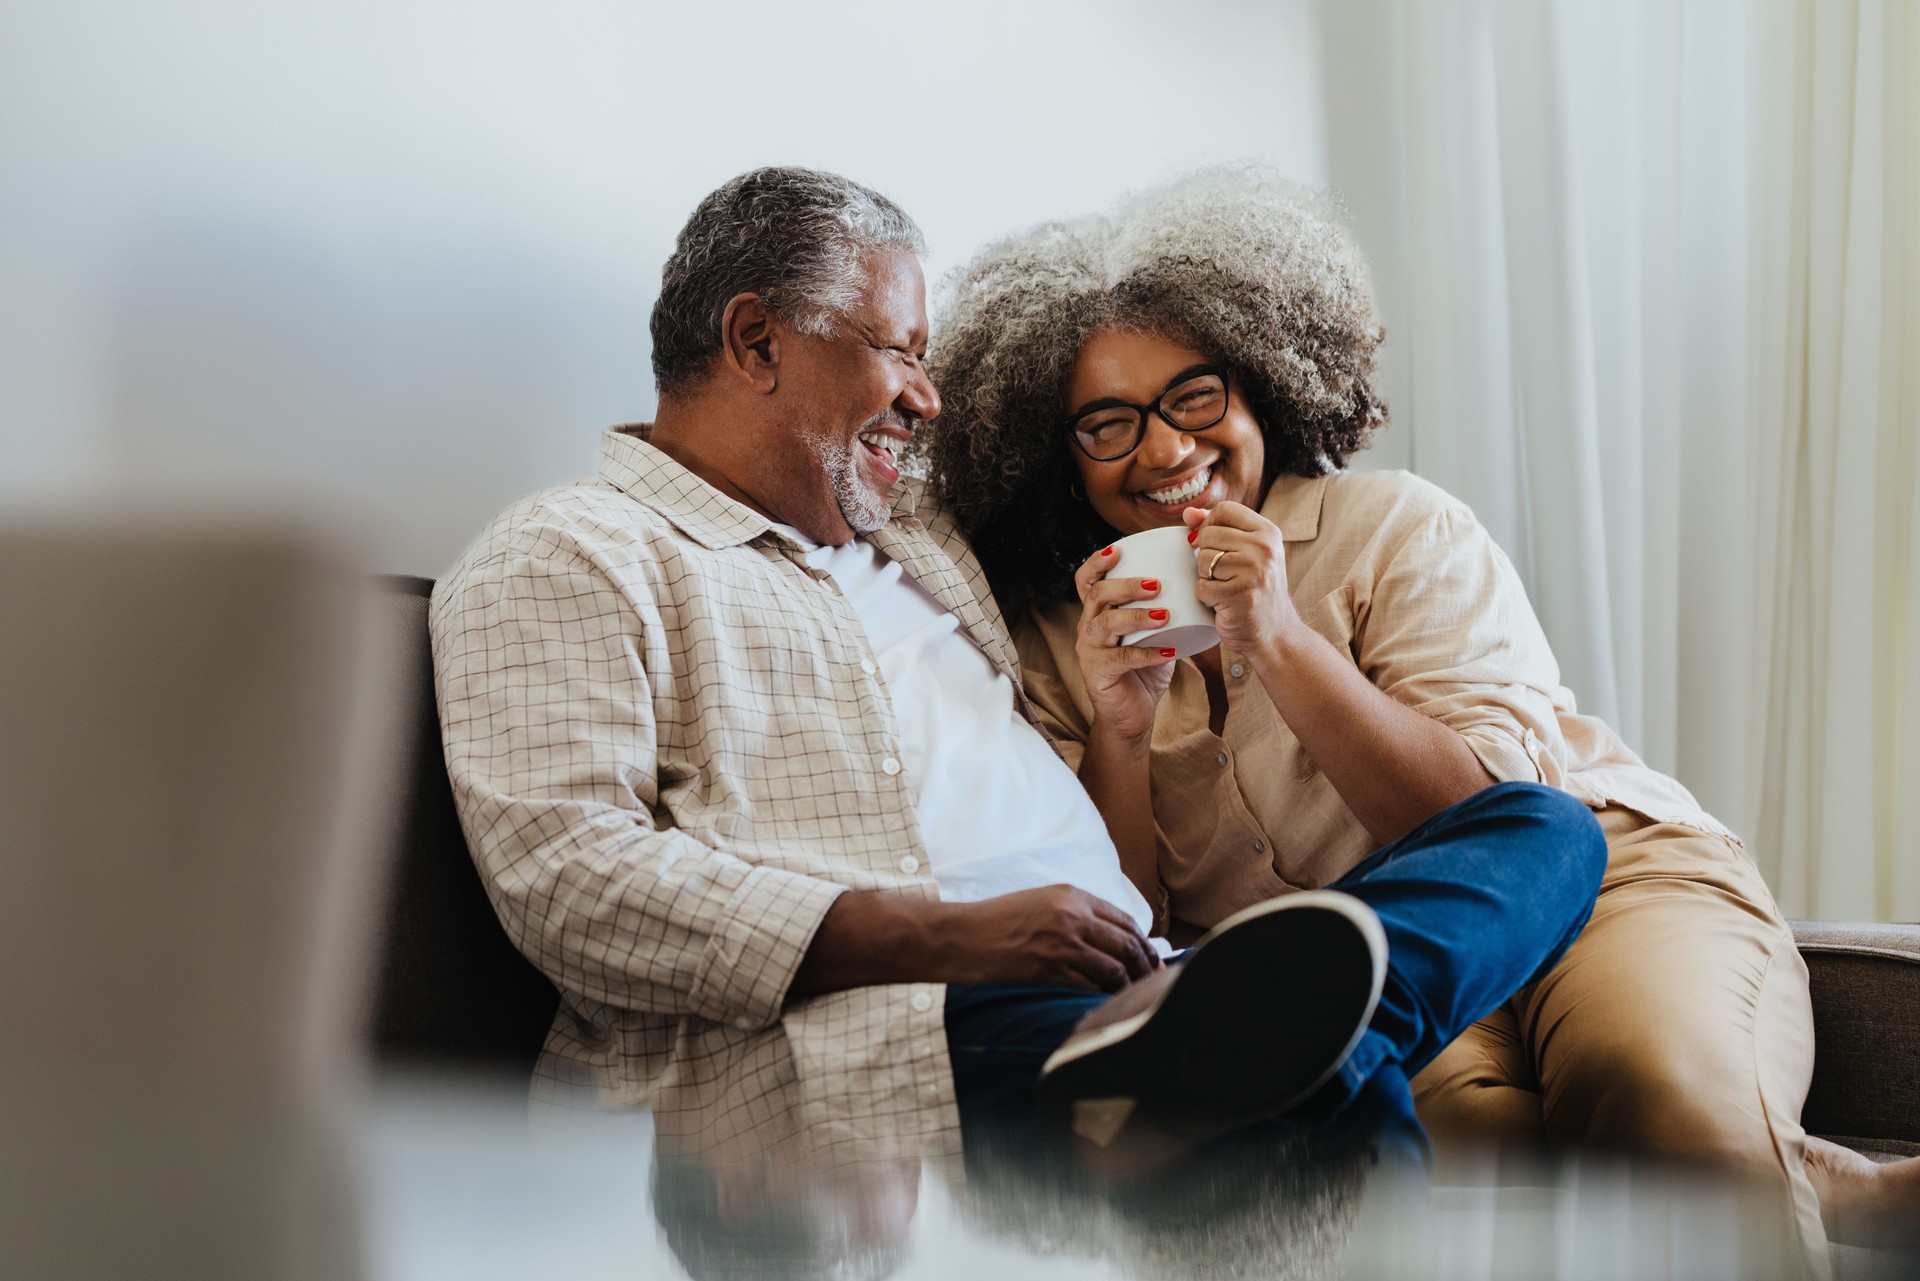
1192,534
1150,584
1166,653
1106,551
1157,615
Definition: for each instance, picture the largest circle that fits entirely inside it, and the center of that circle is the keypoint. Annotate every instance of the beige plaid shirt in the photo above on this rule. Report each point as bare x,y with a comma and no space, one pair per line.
1401,577
671,748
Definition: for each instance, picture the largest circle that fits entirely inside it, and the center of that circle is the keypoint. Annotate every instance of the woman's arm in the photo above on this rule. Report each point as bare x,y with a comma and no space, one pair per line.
1393,766
1112,768
1114,772
1123,688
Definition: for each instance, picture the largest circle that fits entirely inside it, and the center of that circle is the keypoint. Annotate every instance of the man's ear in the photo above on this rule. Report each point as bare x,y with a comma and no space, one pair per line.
750,348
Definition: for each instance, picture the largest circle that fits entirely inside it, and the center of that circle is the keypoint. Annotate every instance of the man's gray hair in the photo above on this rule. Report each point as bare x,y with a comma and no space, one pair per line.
799,238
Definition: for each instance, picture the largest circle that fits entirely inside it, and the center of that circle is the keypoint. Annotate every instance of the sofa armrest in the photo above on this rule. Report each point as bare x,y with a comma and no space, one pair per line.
1866,1017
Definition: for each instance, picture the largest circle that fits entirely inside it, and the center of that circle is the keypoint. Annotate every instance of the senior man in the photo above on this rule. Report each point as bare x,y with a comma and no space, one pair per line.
737,738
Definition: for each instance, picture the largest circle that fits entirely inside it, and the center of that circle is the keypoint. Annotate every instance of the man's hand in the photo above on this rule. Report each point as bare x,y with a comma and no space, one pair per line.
1055,934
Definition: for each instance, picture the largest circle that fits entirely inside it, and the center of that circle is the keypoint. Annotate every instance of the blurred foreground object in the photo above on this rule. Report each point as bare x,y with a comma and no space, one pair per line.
185,786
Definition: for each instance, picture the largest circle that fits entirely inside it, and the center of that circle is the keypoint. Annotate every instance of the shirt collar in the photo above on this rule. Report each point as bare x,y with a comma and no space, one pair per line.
905,497
651,477
630,463
1293,503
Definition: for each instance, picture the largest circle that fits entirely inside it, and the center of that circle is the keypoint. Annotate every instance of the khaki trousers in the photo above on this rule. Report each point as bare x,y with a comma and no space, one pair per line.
1678,1023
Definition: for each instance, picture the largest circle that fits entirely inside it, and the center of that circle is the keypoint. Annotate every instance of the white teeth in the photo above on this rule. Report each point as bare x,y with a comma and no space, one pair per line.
1181,493
880,440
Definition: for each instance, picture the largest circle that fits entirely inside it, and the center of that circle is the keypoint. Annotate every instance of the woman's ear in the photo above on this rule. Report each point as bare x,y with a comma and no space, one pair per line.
750,342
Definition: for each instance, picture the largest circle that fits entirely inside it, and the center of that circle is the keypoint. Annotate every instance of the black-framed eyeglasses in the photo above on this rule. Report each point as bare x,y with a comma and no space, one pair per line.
1112,429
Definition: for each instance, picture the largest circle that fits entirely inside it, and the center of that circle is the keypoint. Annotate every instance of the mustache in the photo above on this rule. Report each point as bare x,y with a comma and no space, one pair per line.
909,423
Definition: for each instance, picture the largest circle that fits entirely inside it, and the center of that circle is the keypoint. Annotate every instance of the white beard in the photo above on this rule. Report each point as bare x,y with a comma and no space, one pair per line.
862,509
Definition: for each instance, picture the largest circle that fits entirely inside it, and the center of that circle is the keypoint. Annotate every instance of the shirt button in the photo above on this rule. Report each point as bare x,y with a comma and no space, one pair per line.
922,1002
866,665
890,766
909,864
1259,846
1237,670
1221,760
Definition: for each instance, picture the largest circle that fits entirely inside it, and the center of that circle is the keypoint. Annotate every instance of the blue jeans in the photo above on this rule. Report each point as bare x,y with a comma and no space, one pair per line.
1477,901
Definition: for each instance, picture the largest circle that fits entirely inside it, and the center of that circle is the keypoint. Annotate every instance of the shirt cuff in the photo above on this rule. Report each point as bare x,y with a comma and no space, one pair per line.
1508,759
764,932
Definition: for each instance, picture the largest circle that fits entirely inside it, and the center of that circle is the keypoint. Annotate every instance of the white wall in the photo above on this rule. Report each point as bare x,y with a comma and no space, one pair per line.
395,259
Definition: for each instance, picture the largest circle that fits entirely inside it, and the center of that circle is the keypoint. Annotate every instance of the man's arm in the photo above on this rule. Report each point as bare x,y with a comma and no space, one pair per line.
547,718
1056,934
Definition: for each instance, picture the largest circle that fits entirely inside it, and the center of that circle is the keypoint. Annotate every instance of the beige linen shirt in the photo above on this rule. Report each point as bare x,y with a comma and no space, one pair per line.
671,748
1398,575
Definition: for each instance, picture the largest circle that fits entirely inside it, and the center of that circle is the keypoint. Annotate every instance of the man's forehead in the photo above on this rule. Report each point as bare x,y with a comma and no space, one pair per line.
896,294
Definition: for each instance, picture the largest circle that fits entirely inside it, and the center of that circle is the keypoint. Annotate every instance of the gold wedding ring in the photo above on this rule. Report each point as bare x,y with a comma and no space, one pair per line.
1207,573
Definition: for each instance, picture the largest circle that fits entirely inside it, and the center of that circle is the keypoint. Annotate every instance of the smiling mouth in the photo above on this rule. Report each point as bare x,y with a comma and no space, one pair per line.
882,443
1184,492
883,453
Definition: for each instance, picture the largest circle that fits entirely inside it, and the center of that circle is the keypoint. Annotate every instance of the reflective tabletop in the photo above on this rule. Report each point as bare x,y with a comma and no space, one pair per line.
456,1183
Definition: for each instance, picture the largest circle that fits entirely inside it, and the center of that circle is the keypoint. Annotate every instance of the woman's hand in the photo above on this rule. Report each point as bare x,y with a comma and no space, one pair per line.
1242,564
1395,767
1124,683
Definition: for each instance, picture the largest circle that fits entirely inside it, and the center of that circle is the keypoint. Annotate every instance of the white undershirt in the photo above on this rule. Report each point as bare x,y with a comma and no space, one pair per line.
998,810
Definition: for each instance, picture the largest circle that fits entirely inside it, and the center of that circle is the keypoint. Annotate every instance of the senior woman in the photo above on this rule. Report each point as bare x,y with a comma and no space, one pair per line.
1207,357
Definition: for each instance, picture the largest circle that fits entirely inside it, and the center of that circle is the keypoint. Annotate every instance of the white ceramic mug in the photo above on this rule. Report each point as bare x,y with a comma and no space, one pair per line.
1166,554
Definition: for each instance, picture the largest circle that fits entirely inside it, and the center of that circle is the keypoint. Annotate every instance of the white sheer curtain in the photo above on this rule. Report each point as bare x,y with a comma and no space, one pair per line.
1649,273
1836,351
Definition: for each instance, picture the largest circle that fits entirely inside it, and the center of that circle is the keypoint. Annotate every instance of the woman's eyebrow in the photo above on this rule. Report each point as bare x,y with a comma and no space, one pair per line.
1190,371
1114,402
1105,402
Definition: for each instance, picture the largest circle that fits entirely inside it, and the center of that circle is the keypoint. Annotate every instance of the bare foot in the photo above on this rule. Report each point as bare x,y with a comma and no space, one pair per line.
1863,1202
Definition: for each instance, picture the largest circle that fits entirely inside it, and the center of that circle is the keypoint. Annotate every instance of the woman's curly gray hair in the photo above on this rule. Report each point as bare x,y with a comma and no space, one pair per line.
1258,273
